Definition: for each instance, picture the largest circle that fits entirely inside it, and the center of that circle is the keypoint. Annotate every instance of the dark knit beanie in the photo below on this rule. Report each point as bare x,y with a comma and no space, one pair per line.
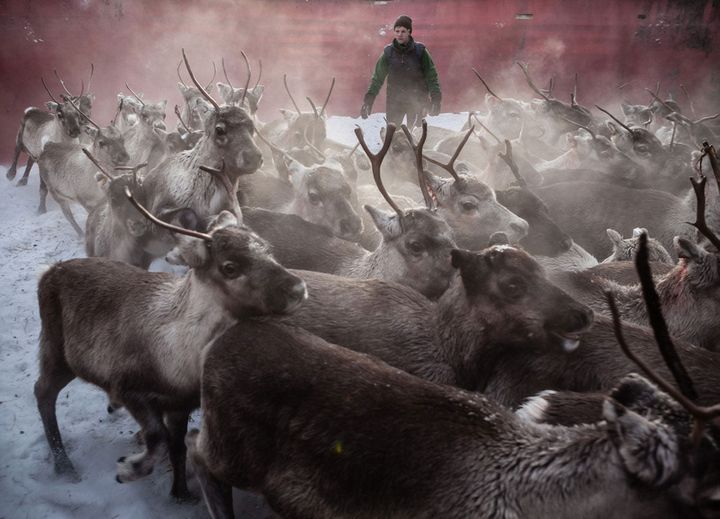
404,21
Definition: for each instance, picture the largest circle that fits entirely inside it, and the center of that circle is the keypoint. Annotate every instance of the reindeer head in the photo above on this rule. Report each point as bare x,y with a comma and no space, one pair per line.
544,237
624,249
68,115
236,264
506,288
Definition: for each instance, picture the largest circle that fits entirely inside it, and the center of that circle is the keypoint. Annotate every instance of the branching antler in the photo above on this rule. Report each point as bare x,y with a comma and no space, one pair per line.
419,162
510,161
177,112
700,224
376,160
449,167
497,139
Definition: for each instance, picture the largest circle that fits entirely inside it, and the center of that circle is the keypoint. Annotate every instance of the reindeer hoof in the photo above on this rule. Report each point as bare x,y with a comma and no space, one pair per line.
121,459
117,478
133,467
66,469
110,409
22,182
184,497
10,175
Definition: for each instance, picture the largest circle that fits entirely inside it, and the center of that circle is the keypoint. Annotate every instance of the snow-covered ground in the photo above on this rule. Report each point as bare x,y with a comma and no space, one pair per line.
29,488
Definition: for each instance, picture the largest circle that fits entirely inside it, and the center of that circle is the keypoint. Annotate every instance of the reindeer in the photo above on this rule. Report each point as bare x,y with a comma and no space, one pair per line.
246,98
294,129
146,139
114,229
38,127
145,352
327,432
178,183
196,110
624,249
69,176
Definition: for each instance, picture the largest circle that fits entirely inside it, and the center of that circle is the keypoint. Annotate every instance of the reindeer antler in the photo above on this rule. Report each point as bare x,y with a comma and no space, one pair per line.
249,75
198,85
327,99
687,392
449,167
170,227
97,164
134,94
486,85
289,94
48,91
524,68
213,76
376,161
422,182
510,161
259,74
222,61
615,119
177,113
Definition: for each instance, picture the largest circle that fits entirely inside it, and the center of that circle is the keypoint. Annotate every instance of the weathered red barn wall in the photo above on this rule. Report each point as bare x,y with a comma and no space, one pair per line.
605,42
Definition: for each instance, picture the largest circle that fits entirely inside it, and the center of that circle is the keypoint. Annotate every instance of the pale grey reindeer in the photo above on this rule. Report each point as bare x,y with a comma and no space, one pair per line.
145,140
115,229
414,251
294,129
60,124
247,98
178,182
196,110
624,249
69,176
140,336
393,445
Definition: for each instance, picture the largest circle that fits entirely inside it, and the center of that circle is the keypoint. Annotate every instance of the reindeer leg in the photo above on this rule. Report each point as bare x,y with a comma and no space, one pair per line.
24,180
177,427
130,468
42,208
18,148
53,377
217,495
65,207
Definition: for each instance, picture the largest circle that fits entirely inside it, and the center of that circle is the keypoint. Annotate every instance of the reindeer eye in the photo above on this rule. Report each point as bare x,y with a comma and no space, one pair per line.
230,269
220,131
469,207
101,144
415,247
60,115
513,288
313,197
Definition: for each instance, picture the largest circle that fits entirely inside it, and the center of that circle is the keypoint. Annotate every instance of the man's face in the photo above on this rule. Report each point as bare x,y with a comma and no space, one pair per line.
402,35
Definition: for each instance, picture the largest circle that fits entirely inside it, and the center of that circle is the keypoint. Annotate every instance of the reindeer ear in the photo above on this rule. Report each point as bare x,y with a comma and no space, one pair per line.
258,92
614,236
626,108
637,231
460,258
686,249
297,172
491,101
222,220
387,223
649,450
612,127
188,251
225,91
52,106
163,104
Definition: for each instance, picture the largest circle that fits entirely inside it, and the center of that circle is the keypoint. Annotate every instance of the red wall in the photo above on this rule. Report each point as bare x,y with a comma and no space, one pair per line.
606,43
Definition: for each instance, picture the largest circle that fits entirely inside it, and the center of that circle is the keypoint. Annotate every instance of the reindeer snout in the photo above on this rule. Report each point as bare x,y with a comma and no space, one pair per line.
519,228
251,160
288,294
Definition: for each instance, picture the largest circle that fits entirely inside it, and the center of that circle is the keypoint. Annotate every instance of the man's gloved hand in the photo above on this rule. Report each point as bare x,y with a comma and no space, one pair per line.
367,106
435,105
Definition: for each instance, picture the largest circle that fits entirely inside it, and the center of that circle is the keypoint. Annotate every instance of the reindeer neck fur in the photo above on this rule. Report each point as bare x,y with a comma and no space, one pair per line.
176,308
140,141
192,187
383,263
39,128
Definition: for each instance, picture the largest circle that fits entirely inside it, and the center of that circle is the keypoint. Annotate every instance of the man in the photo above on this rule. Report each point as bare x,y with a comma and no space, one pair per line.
412,78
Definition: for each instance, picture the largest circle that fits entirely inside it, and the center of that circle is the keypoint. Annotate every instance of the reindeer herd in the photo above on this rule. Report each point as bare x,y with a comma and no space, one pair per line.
428,330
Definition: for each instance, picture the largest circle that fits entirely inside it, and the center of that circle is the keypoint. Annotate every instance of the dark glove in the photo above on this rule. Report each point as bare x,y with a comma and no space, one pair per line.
435,105
367,106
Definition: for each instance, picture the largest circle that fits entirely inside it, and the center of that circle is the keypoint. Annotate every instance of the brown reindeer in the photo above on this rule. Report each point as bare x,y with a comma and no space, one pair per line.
139,336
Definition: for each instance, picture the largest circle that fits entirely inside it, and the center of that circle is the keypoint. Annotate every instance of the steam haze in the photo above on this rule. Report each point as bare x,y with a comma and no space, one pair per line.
606,43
